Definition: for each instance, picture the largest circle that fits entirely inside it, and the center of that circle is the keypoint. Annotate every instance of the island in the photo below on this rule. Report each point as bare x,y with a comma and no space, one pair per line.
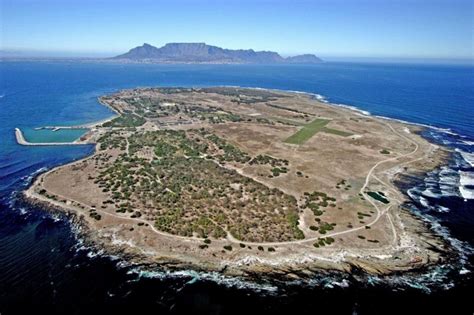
247,182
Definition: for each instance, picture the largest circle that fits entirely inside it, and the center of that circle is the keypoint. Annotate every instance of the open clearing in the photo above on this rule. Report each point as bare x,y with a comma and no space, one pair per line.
211,179
309,130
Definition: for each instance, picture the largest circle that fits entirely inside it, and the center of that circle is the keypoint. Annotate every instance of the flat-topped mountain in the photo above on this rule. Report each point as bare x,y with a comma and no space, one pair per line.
203,53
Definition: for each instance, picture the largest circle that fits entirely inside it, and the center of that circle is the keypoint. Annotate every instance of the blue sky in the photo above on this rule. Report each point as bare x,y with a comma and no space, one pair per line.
350,28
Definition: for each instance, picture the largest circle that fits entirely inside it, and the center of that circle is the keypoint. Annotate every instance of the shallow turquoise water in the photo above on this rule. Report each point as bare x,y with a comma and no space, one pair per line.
48,135
41,262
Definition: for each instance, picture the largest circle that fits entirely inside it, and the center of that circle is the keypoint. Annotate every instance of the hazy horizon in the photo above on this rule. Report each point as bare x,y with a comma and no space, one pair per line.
405,29
71,55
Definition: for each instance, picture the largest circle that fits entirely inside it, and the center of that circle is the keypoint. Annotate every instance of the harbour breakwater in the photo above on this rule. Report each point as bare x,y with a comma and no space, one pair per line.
20,139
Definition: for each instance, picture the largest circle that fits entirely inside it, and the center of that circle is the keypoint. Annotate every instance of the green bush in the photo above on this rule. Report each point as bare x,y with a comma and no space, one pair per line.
95,215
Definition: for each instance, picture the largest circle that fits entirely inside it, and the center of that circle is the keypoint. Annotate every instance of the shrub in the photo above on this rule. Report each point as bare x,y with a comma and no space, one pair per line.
378,197
329,240
95,215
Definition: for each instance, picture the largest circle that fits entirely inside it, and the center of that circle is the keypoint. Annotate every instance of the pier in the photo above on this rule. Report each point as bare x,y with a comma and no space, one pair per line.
56,128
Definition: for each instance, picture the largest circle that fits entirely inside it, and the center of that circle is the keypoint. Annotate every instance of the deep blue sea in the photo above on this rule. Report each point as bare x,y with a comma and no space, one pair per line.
44,265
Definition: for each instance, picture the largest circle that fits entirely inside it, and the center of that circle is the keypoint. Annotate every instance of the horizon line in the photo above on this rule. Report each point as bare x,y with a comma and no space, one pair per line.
78,54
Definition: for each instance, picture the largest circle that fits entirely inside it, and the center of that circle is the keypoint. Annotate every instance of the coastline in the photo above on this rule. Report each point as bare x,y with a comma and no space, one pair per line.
20,139
84,139
323,99
344,261
288,269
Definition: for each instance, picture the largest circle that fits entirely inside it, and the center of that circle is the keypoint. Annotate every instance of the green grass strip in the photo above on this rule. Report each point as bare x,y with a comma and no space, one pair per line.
309,130
336,132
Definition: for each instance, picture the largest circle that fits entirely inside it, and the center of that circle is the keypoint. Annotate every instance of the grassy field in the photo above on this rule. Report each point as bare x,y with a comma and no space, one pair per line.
309,130
336,132
287,121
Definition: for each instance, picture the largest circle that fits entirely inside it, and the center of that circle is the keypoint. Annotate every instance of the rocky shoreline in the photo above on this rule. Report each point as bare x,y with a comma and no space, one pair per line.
277,275
441,251
433,249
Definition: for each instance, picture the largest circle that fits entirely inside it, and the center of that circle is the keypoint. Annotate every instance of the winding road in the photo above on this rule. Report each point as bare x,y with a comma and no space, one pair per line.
230,238
366,183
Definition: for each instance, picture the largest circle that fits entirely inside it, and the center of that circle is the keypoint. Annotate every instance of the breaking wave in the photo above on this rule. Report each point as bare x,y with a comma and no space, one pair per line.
453,181
468,157
467,184
445,182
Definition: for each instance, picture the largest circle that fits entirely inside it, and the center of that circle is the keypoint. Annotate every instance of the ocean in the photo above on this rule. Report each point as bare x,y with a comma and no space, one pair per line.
44,264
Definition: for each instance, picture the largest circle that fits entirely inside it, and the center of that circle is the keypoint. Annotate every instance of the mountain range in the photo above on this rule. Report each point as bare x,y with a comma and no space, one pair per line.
203,53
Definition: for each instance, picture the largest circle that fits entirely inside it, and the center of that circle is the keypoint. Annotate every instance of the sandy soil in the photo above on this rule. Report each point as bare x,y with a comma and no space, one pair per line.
387,239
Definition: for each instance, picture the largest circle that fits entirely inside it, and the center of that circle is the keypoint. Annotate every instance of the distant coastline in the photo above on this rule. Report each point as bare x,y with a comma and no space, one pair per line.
186,53
326,60
207,54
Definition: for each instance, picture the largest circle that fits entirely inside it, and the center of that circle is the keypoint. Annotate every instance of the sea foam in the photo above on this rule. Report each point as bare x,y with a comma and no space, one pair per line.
468,157
466,187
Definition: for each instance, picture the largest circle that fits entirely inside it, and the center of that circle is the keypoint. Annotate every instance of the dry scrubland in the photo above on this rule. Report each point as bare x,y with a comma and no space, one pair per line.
247,178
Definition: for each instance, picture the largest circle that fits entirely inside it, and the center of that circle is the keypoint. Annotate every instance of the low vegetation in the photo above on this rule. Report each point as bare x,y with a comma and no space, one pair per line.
324,241
309,130
378,196
176,181
126,120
